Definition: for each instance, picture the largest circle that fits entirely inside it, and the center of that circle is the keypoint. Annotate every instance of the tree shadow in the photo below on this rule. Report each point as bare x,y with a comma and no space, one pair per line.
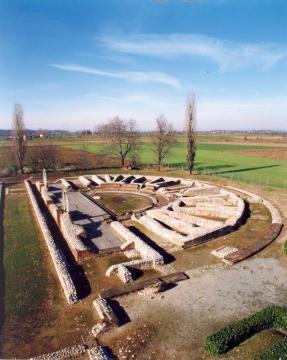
247,169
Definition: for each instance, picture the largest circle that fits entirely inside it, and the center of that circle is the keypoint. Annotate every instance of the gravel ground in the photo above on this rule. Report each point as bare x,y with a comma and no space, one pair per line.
212,297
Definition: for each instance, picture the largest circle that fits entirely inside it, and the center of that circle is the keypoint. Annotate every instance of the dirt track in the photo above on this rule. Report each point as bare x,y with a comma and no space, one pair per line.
280,154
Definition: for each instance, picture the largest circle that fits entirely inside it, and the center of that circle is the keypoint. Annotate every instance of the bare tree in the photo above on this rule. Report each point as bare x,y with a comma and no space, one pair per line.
45,156
19,135
84,158
121,135
163,139
190,133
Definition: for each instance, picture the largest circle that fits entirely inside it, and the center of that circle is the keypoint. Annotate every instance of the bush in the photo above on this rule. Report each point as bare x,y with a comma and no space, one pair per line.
285,248
231,336
279,351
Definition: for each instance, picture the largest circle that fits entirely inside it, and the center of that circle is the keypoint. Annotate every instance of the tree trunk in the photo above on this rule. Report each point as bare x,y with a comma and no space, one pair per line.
123,162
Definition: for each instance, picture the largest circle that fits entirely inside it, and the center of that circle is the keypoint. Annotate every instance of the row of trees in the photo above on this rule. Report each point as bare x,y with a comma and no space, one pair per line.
121,136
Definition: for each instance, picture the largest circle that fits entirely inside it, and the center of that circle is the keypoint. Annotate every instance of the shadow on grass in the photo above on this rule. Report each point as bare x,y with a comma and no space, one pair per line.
246,169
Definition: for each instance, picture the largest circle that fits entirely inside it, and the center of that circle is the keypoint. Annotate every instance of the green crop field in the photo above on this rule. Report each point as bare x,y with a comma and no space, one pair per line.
217,159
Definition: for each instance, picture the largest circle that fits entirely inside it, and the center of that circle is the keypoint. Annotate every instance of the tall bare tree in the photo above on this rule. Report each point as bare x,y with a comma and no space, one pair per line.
19,135
46,156
190,133
121,135
163,139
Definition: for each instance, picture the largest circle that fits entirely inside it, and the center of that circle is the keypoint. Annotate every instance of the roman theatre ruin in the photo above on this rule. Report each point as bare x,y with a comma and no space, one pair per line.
141,218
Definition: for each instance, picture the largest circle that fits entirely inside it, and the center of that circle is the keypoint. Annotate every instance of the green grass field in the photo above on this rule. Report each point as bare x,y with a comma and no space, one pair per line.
22,255
217,160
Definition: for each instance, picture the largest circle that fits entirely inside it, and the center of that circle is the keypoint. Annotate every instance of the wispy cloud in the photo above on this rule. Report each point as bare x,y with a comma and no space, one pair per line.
228,55
135,76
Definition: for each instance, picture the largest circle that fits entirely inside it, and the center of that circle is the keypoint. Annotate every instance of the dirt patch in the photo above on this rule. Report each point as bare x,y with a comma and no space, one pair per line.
211,298
279,154
123,203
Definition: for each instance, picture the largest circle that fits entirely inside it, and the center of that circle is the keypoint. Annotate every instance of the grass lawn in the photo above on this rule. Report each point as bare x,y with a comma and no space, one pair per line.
37,318
218,160
25,277
22,255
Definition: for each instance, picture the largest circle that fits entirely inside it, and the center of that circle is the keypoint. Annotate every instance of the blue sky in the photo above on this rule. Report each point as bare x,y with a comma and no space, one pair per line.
75,63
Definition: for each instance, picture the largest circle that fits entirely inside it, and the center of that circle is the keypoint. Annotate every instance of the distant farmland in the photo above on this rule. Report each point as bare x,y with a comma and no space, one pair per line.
251,163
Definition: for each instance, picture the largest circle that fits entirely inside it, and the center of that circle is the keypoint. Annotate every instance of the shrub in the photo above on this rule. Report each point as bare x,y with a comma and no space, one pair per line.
285,248
279,351
231,336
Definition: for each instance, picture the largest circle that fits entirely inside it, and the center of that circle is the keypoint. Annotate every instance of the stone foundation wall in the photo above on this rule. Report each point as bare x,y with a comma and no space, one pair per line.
179,225
150,257
97,180
193,219
98,353
275,214
160,230
56,255
66,184
104,311
66,353
146,251
84,181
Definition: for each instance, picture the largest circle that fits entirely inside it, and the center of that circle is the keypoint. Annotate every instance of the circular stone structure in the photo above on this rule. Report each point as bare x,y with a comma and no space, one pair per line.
189,212
176,214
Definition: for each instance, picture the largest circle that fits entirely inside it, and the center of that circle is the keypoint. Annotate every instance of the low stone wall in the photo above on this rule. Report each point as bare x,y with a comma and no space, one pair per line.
56,255
160,230
84,181
108,178
139,180
72,232
98,353
275,214
215,212
97,180
2,194
128,179
150,257
118,177
179,225
257,245
105,311
146,251
66,184
66,353
163,184
201,190
193,219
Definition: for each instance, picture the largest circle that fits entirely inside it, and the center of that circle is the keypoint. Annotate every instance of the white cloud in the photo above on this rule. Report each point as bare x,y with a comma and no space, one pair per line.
135,76
228,55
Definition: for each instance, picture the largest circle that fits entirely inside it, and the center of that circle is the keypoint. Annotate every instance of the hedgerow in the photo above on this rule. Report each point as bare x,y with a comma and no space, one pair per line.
279,351
231,336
